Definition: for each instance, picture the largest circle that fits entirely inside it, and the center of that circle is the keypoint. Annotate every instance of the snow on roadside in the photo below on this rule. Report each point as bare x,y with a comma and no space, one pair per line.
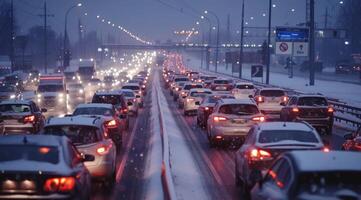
187,177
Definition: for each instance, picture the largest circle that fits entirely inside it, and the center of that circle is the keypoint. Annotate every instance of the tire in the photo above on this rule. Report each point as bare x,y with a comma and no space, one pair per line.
237,180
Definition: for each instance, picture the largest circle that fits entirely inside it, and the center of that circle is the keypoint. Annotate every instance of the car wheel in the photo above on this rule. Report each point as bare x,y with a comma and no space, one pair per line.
238,181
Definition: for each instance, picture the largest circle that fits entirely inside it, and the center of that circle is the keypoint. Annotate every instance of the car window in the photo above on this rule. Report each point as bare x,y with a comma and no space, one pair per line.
272,93
292,101
239,109
200,94
131,87
48,154
78,135
74,155
245,87
312,101
108,99
284,175
276,136
221,82
188,87
93,111
15,108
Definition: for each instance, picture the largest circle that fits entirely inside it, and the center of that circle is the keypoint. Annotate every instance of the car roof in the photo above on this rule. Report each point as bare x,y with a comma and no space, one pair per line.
16,102
310,95
200,90
271,88
75,120
190,83
46,140
244,83
111,92
124,90
237,101
284,126
94,105
304,161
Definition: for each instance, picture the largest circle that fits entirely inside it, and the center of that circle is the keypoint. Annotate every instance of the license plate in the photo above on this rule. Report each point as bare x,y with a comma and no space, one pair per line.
221,88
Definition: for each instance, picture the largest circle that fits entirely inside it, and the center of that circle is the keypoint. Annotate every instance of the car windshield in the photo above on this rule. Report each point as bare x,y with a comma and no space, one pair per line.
214,99
200,94
221,81
274,136
245,87
7,88
312,101
50,88
329,182
108,99
79,135
46,154
188,87
131,87
239,109
272,93
128,93
14,108
180,79
93,111
75,86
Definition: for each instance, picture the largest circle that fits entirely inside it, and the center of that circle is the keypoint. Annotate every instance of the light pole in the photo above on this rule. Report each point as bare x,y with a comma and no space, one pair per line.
269,41
217,45
241,45
65,30
209,41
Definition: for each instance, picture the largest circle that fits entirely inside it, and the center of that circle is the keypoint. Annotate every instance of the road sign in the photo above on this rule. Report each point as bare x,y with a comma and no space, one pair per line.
292,34
257,71
300,49
284,48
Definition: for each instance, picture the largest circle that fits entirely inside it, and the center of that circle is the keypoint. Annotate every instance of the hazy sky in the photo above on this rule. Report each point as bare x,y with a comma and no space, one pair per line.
157,19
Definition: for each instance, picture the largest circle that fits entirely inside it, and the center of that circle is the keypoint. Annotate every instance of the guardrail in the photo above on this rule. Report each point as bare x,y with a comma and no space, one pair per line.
335,103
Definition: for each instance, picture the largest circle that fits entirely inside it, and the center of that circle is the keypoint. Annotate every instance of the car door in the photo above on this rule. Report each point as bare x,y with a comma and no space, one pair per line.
241,153
78,166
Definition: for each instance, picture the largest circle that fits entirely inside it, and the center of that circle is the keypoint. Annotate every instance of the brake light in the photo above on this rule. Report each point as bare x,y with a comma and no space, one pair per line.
259,99
219,119
103,150
259,154
330,110
29,119
326,149
295,110
285,99
189,100
111,124
143,86
176,89
61,184
261,119
183,93
206,108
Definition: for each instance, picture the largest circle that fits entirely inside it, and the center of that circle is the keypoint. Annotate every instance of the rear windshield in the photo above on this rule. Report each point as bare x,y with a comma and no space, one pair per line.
79,135
14,108
272,93
47,154
312,101
214,99
329,182
7,88
94,111
109,99
200,94
188,87
131,87
194,73
239,109
221,81
133,81
180,79
210,78
274,136
128,93
245,87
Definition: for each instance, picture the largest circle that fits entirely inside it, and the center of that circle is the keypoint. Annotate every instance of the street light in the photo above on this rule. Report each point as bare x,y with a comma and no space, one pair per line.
65,30
217,48
241,45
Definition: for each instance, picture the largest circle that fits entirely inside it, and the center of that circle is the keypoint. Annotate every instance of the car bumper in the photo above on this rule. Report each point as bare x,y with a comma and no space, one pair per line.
17,128
24,196
230,133
100,171
317,122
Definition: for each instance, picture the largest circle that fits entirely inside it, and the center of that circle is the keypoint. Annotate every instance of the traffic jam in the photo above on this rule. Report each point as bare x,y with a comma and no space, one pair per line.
79,134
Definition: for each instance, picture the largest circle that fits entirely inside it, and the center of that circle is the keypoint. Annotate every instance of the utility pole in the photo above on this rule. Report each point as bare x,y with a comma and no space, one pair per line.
228,39
312,42
80,45
202,51
269,41
45,15
12,37
326,18
241,45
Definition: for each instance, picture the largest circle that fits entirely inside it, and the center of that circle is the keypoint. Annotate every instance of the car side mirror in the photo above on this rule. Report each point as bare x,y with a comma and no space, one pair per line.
137,96
250,96
283,104
349,136
43,110
129,103
198,103
88,157
256,177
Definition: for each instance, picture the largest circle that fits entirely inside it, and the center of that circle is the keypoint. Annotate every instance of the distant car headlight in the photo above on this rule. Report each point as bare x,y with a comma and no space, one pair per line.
61,95
12,96
73,77
39,95
81,91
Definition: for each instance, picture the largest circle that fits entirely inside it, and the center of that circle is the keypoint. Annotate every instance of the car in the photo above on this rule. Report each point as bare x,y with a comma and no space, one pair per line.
231,120
118,100
224,85
93,85
194,99
352,141
178,89
312,108
243,90
271,101
131,99
296,175
206,107
90,136
21,116
265,141
43,167
208,80
9,92
138,92
177,79
183,93
114,124
76,92
193,75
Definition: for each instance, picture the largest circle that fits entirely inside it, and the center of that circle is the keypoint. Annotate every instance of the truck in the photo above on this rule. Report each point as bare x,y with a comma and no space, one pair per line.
52,92
86,69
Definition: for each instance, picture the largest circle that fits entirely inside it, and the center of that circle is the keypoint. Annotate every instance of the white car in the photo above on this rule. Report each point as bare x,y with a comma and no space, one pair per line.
269,101
194,99
131,100
138,92
243,90
184,92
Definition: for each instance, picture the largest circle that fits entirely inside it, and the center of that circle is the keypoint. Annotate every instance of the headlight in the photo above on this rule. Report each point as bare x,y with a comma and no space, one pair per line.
39,95
12,96
61,95
81,91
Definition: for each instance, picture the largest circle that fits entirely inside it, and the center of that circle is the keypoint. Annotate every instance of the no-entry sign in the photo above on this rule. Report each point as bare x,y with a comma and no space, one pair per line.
284,48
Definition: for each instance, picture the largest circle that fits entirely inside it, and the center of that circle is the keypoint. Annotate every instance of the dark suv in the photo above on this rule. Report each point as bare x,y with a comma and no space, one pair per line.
312,108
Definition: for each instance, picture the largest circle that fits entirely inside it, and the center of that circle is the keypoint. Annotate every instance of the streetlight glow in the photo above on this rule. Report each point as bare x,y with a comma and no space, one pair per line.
79,4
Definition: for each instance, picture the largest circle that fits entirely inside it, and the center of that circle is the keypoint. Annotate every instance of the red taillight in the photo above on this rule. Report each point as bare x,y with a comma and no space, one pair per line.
62,184
206,108
103,150
330,110
219,119
259,99
259,154
29,119
260,119
111,124
295,110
